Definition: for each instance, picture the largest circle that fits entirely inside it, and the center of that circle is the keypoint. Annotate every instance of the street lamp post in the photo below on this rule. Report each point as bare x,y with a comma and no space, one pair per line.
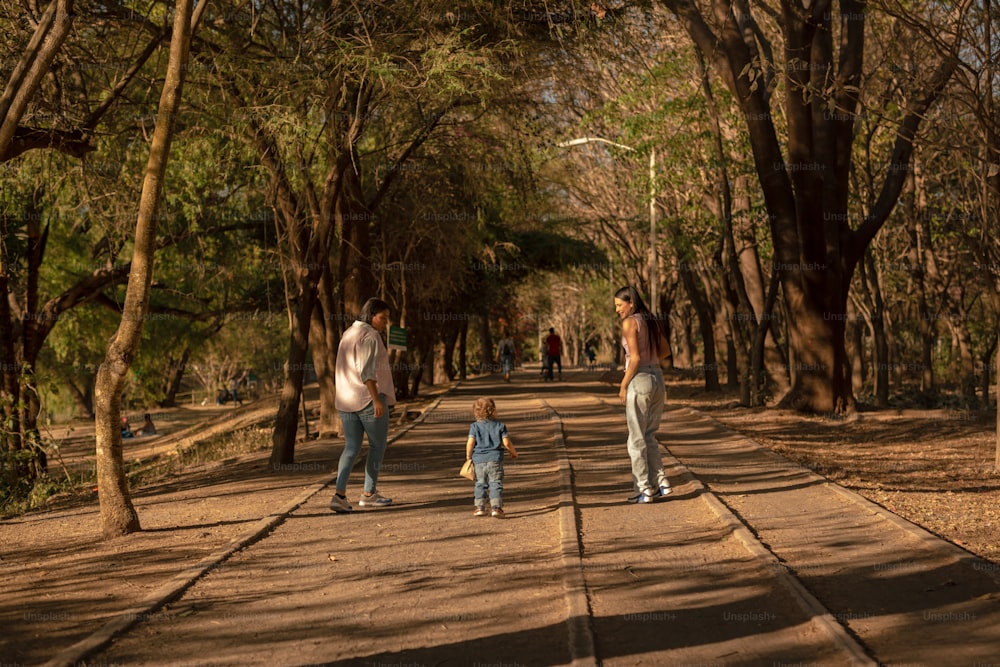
654,264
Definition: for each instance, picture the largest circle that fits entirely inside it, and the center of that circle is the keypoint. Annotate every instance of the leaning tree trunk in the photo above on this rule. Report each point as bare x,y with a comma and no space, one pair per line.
118,515
84,403
28,74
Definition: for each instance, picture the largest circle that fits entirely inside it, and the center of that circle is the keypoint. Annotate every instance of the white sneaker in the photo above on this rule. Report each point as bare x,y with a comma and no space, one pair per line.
376,499
642,497
665,490
340,505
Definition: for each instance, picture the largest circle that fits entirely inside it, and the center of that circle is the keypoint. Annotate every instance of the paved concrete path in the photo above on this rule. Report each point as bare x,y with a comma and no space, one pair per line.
751,561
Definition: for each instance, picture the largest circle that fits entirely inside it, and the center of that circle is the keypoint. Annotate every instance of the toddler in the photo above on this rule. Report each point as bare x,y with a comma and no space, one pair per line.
487,440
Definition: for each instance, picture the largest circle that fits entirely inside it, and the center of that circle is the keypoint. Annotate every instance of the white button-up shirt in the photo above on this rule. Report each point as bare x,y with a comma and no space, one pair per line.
361,357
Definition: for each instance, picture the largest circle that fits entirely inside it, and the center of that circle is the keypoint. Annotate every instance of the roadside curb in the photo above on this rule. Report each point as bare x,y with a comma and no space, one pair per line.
925,536
179,583
578,620
806,600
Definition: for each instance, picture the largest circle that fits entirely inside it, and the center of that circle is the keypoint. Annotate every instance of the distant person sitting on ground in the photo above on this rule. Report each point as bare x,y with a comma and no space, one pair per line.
487,440
126,429
147,426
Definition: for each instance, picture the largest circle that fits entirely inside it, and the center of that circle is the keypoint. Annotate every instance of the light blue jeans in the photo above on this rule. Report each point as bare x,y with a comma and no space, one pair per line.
489,475
643,410
356,426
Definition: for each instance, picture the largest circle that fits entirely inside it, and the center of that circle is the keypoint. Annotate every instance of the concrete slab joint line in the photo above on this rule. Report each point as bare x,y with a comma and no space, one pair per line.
806,600
578,622
176,587
925,536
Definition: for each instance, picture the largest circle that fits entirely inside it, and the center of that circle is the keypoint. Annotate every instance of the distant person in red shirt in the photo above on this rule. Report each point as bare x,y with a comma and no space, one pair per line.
553,348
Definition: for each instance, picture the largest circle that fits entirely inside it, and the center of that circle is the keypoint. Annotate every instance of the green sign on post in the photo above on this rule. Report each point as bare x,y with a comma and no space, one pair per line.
397,338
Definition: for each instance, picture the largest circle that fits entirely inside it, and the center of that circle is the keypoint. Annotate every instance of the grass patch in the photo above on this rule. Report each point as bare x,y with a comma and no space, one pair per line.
228,445
78,483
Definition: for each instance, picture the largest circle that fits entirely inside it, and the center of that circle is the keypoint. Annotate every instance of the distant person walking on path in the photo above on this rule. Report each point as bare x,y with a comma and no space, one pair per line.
234,392
487,440
553,349
365,393
505,354
642,393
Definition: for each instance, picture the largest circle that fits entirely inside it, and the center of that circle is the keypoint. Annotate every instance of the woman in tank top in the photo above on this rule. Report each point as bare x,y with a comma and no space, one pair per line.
642,393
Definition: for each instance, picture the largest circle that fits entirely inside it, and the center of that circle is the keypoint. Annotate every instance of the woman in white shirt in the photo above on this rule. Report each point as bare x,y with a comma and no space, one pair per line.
365,393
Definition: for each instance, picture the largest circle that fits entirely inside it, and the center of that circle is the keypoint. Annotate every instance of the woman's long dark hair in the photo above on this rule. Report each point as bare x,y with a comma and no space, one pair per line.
629,294
372,308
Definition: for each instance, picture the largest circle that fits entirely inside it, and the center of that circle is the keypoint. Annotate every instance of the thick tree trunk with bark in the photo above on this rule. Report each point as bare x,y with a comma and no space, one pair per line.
118,515
324,338
815,248
286,423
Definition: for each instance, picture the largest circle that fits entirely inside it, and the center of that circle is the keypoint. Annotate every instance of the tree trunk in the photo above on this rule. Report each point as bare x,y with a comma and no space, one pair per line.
83,401
485,345
357,282
451,333
923,270
985,359
52,30
707,326
118,515
286,422
10,399
323,339
423,362
687,347
856,348
176,376
877,323
757,354
816,249
463,341
774,361
958,322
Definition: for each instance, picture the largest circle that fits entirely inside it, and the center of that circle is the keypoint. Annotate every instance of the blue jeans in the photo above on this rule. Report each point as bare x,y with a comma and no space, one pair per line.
643,410
506,363
489,475
356,426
